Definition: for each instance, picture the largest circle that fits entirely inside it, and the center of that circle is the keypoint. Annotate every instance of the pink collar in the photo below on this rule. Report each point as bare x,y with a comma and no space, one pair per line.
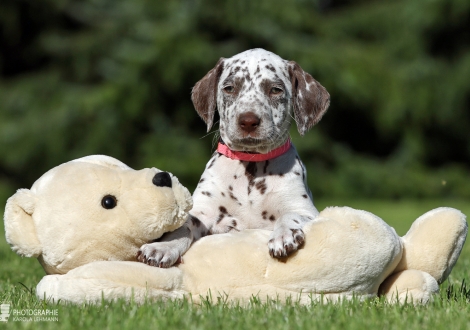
247,157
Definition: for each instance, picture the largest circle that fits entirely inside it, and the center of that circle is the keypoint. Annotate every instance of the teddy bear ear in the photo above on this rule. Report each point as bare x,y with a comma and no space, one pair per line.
20,230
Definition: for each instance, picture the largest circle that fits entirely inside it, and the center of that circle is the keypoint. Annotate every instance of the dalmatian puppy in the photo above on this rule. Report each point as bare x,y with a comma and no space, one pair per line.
255,179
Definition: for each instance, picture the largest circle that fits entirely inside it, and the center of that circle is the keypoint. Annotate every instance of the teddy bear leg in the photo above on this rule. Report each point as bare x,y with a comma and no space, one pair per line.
409,286
434,242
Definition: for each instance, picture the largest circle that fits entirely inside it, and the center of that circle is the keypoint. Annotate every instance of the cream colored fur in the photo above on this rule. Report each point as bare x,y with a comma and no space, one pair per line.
89,251
61,220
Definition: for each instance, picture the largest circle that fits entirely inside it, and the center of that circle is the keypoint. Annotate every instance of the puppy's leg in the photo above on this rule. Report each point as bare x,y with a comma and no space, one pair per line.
168,249
288,235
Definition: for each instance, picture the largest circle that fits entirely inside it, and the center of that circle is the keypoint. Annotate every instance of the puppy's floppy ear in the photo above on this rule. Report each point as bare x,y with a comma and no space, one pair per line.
204,94
20,230
310,99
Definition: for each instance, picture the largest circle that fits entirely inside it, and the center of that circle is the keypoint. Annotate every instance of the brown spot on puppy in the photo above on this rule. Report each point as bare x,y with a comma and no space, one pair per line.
195,221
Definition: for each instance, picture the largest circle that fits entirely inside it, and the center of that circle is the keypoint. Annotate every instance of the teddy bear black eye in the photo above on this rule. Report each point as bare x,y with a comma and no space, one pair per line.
109,202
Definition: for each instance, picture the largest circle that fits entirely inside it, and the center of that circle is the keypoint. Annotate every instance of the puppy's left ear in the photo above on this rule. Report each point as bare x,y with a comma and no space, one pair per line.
310,99
204,94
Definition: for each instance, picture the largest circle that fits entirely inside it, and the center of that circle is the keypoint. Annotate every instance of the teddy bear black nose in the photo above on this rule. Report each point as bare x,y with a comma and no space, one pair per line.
162,179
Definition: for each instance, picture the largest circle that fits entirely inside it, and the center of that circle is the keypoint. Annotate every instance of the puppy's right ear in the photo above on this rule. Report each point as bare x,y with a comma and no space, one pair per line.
311,100
20,230
204,94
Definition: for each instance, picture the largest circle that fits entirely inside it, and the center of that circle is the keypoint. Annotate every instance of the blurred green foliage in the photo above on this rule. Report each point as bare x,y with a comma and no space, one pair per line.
115,76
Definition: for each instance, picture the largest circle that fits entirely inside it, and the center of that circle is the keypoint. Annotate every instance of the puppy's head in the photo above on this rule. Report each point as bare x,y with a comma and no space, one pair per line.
256,93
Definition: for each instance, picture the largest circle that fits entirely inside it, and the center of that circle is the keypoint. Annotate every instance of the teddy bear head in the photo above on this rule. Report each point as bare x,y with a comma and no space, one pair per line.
93,208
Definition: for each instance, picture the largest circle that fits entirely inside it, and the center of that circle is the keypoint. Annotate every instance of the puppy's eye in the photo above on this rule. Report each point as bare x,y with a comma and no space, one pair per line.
229,89
276,91
109,202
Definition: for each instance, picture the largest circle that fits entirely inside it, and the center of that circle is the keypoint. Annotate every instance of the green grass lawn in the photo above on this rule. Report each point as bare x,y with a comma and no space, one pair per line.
451,310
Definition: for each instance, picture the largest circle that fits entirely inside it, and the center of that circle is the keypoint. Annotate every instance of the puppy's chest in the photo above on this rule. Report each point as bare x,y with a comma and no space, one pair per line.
253,193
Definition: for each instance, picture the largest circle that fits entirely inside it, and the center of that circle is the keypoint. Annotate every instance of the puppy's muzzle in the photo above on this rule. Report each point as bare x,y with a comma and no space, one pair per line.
248,122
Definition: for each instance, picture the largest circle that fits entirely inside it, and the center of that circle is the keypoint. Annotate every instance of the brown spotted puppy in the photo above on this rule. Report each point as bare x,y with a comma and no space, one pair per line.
255,179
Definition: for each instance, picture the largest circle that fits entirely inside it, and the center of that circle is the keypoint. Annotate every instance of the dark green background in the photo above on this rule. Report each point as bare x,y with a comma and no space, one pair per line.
114,77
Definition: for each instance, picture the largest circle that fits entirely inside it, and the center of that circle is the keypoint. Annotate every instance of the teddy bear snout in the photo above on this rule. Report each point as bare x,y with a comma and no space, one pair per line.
162,179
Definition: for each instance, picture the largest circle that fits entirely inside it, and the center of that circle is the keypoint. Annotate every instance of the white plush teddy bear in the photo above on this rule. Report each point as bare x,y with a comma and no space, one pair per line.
86,219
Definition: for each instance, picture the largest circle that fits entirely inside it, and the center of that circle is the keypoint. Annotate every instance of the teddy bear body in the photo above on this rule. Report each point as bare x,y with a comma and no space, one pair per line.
88,250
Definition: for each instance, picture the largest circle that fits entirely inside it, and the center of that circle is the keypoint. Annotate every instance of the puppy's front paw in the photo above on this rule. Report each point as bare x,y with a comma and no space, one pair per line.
285,241
159,254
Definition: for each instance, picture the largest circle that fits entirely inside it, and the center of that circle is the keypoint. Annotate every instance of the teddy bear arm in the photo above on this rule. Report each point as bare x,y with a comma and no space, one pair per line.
111,280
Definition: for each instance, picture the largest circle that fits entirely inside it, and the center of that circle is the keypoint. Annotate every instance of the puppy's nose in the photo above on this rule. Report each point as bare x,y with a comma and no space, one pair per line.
162,179
248,121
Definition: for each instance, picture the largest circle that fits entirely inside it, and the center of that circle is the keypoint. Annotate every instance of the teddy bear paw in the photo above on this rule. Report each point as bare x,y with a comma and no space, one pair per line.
285,242
159,254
